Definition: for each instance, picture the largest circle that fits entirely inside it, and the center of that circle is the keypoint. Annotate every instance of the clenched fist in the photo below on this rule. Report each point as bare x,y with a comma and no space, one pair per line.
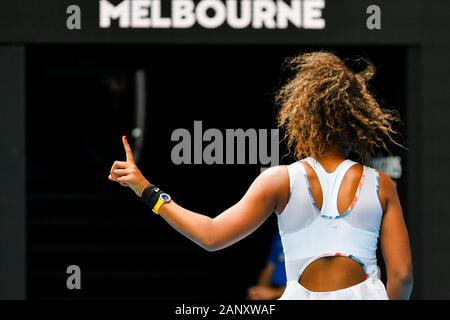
127,173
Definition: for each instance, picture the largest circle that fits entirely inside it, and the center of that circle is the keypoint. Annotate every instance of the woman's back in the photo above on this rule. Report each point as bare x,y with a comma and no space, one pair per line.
330,224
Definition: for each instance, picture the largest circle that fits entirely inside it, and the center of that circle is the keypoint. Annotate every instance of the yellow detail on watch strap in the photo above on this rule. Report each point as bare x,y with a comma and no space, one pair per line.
158,205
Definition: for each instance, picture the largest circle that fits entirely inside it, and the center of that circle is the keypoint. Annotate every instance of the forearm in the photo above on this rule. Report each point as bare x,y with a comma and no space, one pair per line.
196,227
399,288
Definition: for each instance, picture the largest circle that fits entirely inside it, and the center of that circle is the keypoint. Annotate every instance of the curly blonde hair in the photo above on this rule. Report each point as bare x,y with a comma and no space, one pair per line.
326,105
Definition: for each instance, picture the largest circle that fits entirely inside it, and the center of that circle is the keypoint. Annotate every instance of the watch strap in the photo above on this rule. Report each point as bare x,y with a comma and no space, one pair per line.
158,205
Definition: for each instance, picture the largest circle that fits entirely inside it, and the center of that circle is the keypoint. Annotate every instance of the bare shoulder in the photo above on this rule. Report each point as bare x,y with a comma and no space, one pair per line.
274,177
280,172
386,182
277,179
388,189
355,172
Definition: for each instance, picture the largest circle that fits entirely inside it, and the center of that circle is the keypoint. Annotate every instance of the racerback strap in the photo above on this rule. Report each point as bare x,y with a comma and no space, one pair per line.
330,183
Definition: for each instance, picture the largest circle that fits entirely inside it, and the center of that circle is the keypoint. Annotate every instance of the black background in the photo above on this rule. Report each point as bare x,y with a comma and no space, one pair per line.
74,114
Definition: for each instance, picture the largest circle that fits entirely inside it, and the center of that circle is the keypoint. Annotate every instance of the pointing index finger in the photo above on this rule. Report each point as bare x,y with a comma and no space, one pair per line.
128,151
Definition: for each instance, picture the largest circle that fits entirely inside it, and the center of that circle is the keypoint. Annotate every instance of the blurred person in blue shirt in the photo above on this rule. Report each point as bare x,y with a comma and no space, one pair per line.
272,279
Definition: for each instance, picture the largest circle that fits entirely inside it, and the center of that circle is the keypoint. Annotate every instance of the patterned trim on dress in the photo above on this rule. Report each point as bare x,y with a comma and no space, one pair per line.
335,254
377,184
338,254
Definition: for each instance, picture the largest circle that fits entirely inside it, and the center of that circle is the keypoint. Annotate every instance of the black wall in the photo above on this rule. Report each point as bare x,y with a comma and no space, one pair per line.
76,113
12,173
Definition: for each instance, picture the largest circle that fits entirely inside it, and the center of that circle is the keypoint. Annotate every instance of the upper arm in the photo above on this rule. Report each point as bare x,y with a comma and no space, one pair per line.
258,203
394,238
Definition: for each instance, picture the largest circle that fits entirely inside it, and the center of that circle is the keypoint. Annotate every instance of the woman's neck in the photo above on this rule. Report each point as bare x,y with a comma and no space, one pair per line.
331,159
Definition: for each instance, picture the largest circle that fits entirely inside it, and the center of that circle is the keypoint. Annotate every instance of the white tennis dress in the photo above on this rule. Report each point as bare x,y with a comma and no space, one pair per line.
308,233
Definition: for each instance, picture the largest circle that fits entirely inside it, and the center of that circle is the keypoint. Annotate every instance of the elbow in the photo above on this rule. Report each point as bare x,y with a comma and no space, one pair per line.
209,248
404,277
407,279
214,246
209,240
209,243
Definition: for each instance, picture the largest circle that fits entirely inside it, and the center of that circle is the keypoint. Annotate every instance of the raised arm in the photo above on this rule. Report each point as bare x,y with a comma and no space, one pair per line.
261,199
235,223
394,242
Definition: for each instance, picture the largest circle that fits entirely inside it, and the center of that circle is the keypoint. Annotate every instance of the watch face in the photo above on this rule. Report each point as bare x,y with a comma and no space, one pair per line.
165,197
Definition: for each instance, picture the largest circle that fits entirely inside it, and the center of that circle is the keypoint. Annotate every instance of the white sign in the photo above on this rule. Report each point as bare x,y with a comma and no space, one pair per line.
210,14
